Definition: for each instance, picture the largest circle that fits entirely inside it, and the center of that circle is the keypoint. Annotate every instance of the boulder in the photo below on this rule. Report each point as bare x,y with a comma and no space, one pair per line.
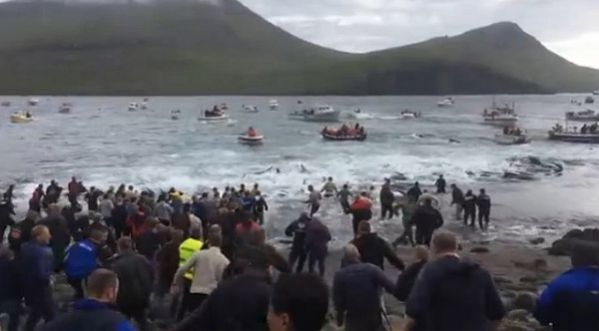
537,241
532,279
519,315
479,250
526,301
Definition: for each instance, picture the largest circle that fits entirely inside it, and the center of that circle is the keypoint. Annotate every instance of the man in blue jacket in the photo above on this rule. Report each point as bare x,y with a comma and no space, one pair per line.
96,313
35,264
81,259
571,301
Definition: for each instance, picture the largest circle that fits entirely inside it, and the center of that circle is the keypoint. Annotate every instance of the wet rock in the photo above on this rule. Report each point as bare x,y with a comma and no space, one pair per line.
539,264
479,250
521,287
502,280
526,301
532,279
509,325
537,241
518,315
509,294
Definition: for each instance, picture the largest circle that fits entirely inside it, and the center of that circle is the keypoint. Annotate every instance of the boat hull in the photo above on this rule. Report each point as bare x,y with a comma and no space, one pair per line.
18,119
575,137
501,139
331,137
246,140
319,117
214,118
501,121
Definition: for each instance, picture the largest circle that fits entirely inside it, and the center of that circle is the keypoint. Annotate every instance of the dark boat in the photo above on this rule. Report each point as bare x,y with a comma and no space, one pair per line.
573,137
334,137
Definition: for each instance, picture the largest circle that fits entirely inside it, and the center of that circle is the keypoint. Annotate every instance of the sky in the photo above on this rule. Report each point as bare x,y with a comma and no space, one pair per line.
568,27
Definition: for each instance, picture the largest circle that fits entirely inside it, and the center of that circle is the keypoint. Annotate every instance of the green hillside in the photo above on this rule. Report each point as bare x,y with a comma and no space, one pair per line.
184,47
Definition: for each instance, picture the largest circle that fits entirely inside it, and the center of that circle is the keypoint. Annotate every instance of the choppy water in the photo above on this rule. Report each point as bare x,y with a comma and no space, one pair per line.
105,144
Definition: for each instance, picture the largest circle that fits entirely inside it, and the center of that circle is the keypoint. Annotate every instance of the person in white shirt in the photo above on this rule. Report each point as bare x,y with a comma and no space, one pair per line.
209,266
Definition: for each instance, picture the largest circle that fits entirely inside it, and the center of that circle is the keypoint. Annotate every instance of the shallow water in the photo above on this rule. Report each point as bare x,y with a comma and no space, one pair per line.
105,144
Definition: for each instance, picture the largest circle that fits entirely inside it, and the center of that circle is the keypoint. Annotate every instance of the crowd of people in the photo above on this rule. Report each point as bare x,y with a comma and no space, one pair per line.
206,261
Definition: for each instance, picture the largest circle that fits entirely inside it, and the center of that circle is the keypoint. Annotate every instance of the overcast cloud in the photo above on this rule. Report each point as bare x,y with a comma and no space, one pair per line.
568,27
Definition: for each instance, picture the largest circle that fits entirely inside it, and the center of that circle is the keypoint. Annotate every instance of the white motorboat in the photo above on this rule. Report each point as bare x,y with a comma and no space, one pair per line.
359,115
273,104
33,101
250,109
508,139
133,106
596,92
322,113
408,114
446,103
501,115
21,117
216,118
583,116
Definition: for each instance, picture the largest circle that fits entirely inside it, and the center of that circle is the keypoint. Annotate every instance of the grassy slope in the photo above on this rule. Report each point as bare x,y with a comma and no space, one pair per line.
183,48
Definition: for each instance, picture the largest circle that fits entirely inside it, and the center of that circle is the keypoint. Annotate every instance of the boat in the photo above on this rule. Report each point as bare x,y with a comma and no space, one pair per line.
359,115
5,104
247,140
446,103
408,114
133,106
65,108
217,118
249,109
21,117
143,106
323,113
596,92
334,137
501,115
509,139
33,101
175,114
345,133
574,137
589,100
582,116
273,104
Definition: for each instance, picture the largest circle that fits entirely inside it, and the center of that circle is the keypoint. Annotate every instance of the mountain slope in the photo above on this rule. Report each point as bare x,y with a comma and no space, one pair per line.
188,47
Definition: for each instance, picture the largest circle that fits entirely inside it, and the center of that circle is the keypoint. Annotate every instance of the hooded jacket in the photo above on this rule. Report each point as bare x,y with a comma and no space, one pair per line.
297,230
90,315
454,294
317,237
427,219
374,249
81,259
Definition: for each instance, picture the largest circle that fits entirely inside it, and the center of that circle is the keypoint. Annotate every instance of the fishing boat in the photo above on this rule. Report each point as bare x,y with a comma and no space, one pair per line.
509,139
446,103
21,117
322,113
273,104
574,137
250,109
133,106
501,115
65,108
583,116
33,101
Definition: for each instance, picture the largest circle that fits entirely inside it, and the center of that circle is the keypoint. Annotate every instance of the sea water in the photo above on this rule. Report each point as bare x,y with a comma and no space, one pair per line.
104,144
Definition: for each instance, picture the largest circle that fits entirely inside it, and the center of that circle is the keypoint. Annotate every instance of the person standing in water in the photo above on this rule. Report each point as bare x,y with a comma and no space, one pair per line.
387,198
457,199
469,208
313,200
344,196
440,184
329,188
484,209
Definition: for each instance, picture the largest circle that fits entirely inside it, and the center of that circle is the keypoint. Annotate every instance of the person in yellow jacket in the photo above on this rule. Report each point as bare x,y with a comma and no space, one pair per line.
187,248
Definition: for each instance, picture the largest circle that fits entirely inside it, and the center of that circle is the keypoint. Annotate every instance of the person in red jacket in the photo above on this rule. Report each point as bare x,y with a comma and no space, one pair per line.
361,210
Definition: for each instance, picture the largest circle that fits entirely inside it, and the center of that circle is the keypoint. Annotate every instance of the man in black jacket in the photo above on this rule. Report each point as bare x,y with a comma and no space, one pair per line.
387,199
298,253
374,249
95,313
427,219
6,220
136,276
405,281
452,293
11,290
61,235
470,209
484,209
457,199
